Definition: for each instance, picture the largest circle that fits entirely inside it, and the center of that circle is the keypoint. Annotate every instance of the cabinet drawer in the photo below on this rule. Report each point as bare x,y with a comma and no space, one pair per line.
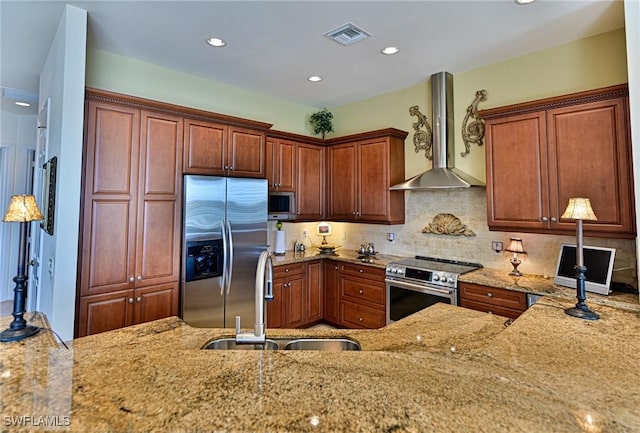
360,316
492,296
363,271
364,290
282,271
493,309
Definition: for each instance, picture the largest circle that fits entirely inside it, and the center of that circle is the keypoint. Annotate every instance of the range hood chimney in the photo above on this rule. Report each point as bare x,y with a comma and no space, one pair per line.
443,174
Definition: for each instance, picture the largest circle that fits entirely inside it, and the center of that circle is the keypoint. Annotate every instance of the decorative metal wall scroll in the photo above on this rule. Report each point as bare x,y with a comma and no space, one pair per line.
473,132
447,224
422,140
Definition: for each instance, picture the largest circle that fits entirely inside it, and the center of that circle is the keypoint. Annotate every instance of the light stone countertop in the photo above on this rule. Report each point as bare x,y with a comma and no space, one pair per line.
343,255
444,369
539,285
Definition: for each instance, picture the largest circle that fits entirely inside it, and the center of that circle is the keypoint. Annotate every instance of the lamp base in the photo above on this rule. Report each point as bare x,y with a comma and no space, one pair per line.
515,273
18,334
580,313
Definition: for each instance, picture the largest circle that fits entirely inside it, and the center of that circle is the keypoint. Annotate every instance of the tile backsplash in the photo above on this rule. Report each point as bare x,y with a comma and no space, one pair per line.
470,206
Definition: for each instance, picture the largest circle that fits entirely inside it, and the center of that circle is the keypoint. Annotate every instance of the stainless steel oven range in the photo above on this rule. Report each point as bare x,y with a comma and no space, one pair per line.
414,284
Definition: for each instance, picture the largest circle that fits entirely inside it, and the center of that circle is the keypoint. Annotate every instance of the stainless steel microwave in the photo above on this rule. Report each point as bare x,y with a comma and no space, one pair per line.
282,206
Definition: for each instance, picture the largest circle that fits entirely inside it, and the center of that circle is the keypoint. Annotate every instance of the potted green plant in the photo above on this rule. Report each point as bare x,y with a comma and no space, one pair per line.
321,122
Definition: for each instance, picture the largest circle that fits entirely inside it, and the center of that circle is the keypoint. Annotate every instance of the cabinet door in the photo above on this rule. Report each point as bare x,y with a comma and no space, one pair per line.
158,229
342,177
517,172
285,165
156,302
373,180
314,292
588,143
275,307
109,198
105,312
247,153
331,280
310,194
205,149
295,304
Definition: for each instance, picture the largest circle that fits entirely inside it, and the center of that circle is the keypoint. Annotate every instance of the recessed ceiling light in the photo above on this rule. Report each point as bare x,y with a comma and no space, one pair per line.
390,50
523,2
314,79
23,104
216,42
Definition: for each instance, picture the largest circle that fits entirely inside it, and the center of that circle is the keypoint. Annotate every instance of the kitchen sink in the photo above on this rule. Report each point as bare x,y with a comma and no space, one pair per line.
231,344
325,344
322,344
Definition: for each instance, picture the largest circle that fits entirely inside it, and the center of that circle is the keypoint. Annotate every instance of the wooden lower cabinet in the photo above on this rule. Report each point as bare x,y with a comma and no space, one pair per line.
297,296
331,276
508,303
362,296
109,311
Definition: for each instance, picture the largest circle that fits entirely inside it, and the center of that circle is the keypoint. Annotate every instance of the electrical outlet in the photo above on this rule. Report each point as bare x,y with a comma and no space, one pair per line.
496,246
391,237
305,233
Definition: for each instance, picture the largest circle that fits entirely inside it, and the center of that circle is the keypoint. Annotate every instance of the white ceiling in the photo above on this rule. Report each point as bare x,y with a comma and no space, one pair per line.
273,46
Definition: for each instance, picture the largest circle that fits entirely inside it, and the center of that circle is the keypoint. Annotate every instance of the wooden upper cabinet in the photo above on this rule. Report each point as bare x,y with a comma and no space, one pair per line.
517,168
281,164
217,149
246,153
361,169
591,148
205,147
542,153
342,178
310,182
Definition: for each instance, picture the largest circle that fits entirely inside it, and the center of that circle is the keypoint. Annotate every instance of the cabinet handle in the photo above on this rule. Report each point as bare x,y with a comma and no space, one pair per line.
361,270
361,319
361,291
544,219
139,299
140,276
130,300
335,267
131,279
226,167
553,219
286,269
490,295
231,167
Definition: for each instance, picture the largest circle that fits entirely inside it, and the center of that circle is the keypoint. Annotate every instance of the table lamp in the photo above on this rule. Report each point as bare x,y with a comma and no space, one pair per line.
515,247
22,209
579,209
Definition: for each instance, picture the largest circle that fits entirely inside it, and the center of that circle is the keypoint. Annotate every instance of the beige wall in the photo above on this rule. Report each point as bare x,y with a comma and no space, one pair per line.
120,74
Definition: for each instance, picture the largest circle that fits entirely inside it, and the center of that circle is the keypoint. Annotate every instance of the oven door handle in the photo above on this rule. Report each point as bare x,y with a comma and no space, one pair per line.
417,287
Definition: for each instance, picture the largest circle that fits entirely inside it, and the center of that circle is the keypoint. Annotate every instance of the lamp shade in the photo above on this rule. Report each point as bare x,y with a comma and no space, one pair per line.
23,208
515,246
579,208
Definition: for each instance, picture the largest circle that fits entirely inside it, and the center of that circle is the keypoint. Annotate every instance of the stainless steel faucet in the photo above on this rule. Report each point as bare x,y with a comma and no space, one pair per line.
264,291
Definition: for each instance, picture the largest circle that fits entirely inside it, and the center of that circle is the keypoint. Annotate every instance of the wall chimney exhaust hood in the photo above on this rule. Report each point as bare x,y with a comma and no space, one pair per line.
443,174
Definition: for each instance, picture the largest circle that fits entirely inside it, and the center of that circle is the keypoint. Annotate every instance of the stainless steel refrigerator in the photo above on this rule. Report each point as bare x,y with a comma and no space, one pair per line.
225,230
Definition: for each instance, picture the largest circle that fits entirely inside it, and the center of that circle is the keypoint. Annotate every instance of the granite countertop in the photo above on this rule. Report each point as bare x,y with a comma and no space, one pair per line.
539,285
444,369
343,254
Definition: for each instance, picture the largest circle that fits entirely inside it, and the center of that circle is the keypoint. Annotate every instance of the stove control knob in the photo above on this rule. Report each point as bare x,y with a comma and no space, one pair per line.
450,280
436,278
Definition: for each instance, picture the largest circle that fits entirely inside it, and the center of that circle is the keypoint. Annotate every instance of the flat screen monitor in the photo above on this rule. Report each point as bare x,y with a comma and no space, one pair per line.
599,264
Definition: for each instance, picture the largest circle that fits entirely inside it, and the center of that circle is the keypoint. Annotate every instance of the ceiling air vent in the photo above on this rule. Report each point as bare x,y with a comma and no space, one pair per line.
347,34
